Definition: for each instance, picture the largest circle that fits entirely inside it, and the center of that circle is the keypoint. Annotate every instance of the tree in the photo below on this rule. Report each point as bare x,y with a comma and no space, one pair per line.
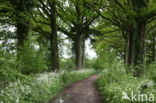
22,10
53,37
78,20
47,11
131,17
151,42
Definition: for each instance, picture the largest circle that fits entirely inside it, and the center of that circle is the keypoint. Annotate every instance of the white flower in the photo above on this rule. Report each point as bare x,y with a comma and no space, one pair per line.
2,102
17,100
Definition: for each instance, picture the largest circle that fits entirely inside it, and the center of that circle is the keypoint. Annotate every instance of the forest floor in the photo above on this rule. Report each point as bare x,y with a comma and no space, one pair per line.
83,91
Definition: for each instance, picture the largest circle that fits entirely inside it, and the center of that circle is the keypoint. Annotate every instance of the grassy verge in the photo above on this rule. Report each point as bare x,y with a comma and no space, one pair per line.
116,86
40,88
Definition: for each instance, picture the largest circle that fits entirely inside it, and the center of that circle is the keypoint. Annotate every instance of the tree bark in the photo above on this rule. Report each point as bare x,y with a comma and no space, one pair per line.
22,20
139,42
83,54
136,37
136,46
130,47
54,39
78,51
22,33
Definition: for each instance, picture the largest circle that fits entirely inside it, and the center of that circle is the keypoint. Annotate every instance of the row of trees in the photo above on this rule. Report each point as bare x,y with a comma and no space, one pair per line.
132,21
47,18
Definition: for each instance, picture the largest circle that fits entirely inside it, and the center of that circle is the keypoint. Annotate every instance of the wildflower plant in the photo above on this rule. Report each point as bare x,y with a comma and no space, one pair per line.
41,88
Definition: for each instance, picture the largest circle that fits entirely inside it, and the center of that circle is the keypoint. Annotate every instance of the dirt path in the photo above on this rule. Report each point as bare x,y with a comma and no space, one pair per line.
80,92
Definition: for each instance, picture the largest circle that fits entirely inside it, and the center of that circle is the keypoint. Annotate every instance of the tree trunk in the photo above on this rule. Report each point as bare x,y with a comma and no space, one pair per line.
139,43
21,13
136,46
22,33
78,51
130,47
136,38
139,47
54,39
83,54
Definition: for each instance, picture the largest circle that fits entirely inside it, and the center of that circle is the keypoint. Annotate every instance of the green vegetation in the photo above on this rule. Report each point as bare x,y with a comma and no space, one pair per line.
114,82
40,88
50,37
31,60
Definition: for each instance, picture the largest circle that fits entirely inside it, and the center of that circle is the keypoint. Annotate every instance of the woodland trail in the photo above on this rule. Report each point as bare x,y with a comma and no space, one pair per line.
83,91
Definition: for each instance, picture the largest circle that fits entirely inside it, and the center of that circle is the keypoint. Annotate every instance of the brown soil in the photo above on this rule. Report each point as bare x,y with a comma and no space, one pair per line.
83,91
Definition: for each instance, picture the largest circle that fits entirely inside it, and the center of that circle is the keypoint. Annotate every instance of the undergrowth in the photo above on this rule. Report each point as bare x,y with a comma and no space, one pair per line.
40,88
116,85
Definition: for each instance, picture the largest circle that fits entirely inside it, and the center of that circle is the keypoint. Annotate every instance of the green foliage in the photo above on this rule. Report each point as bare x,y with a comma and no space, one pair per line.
41,88
152,65
70,77
8,66
32,60
89,63
67,64
114,83
151,71
120,19
107,59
